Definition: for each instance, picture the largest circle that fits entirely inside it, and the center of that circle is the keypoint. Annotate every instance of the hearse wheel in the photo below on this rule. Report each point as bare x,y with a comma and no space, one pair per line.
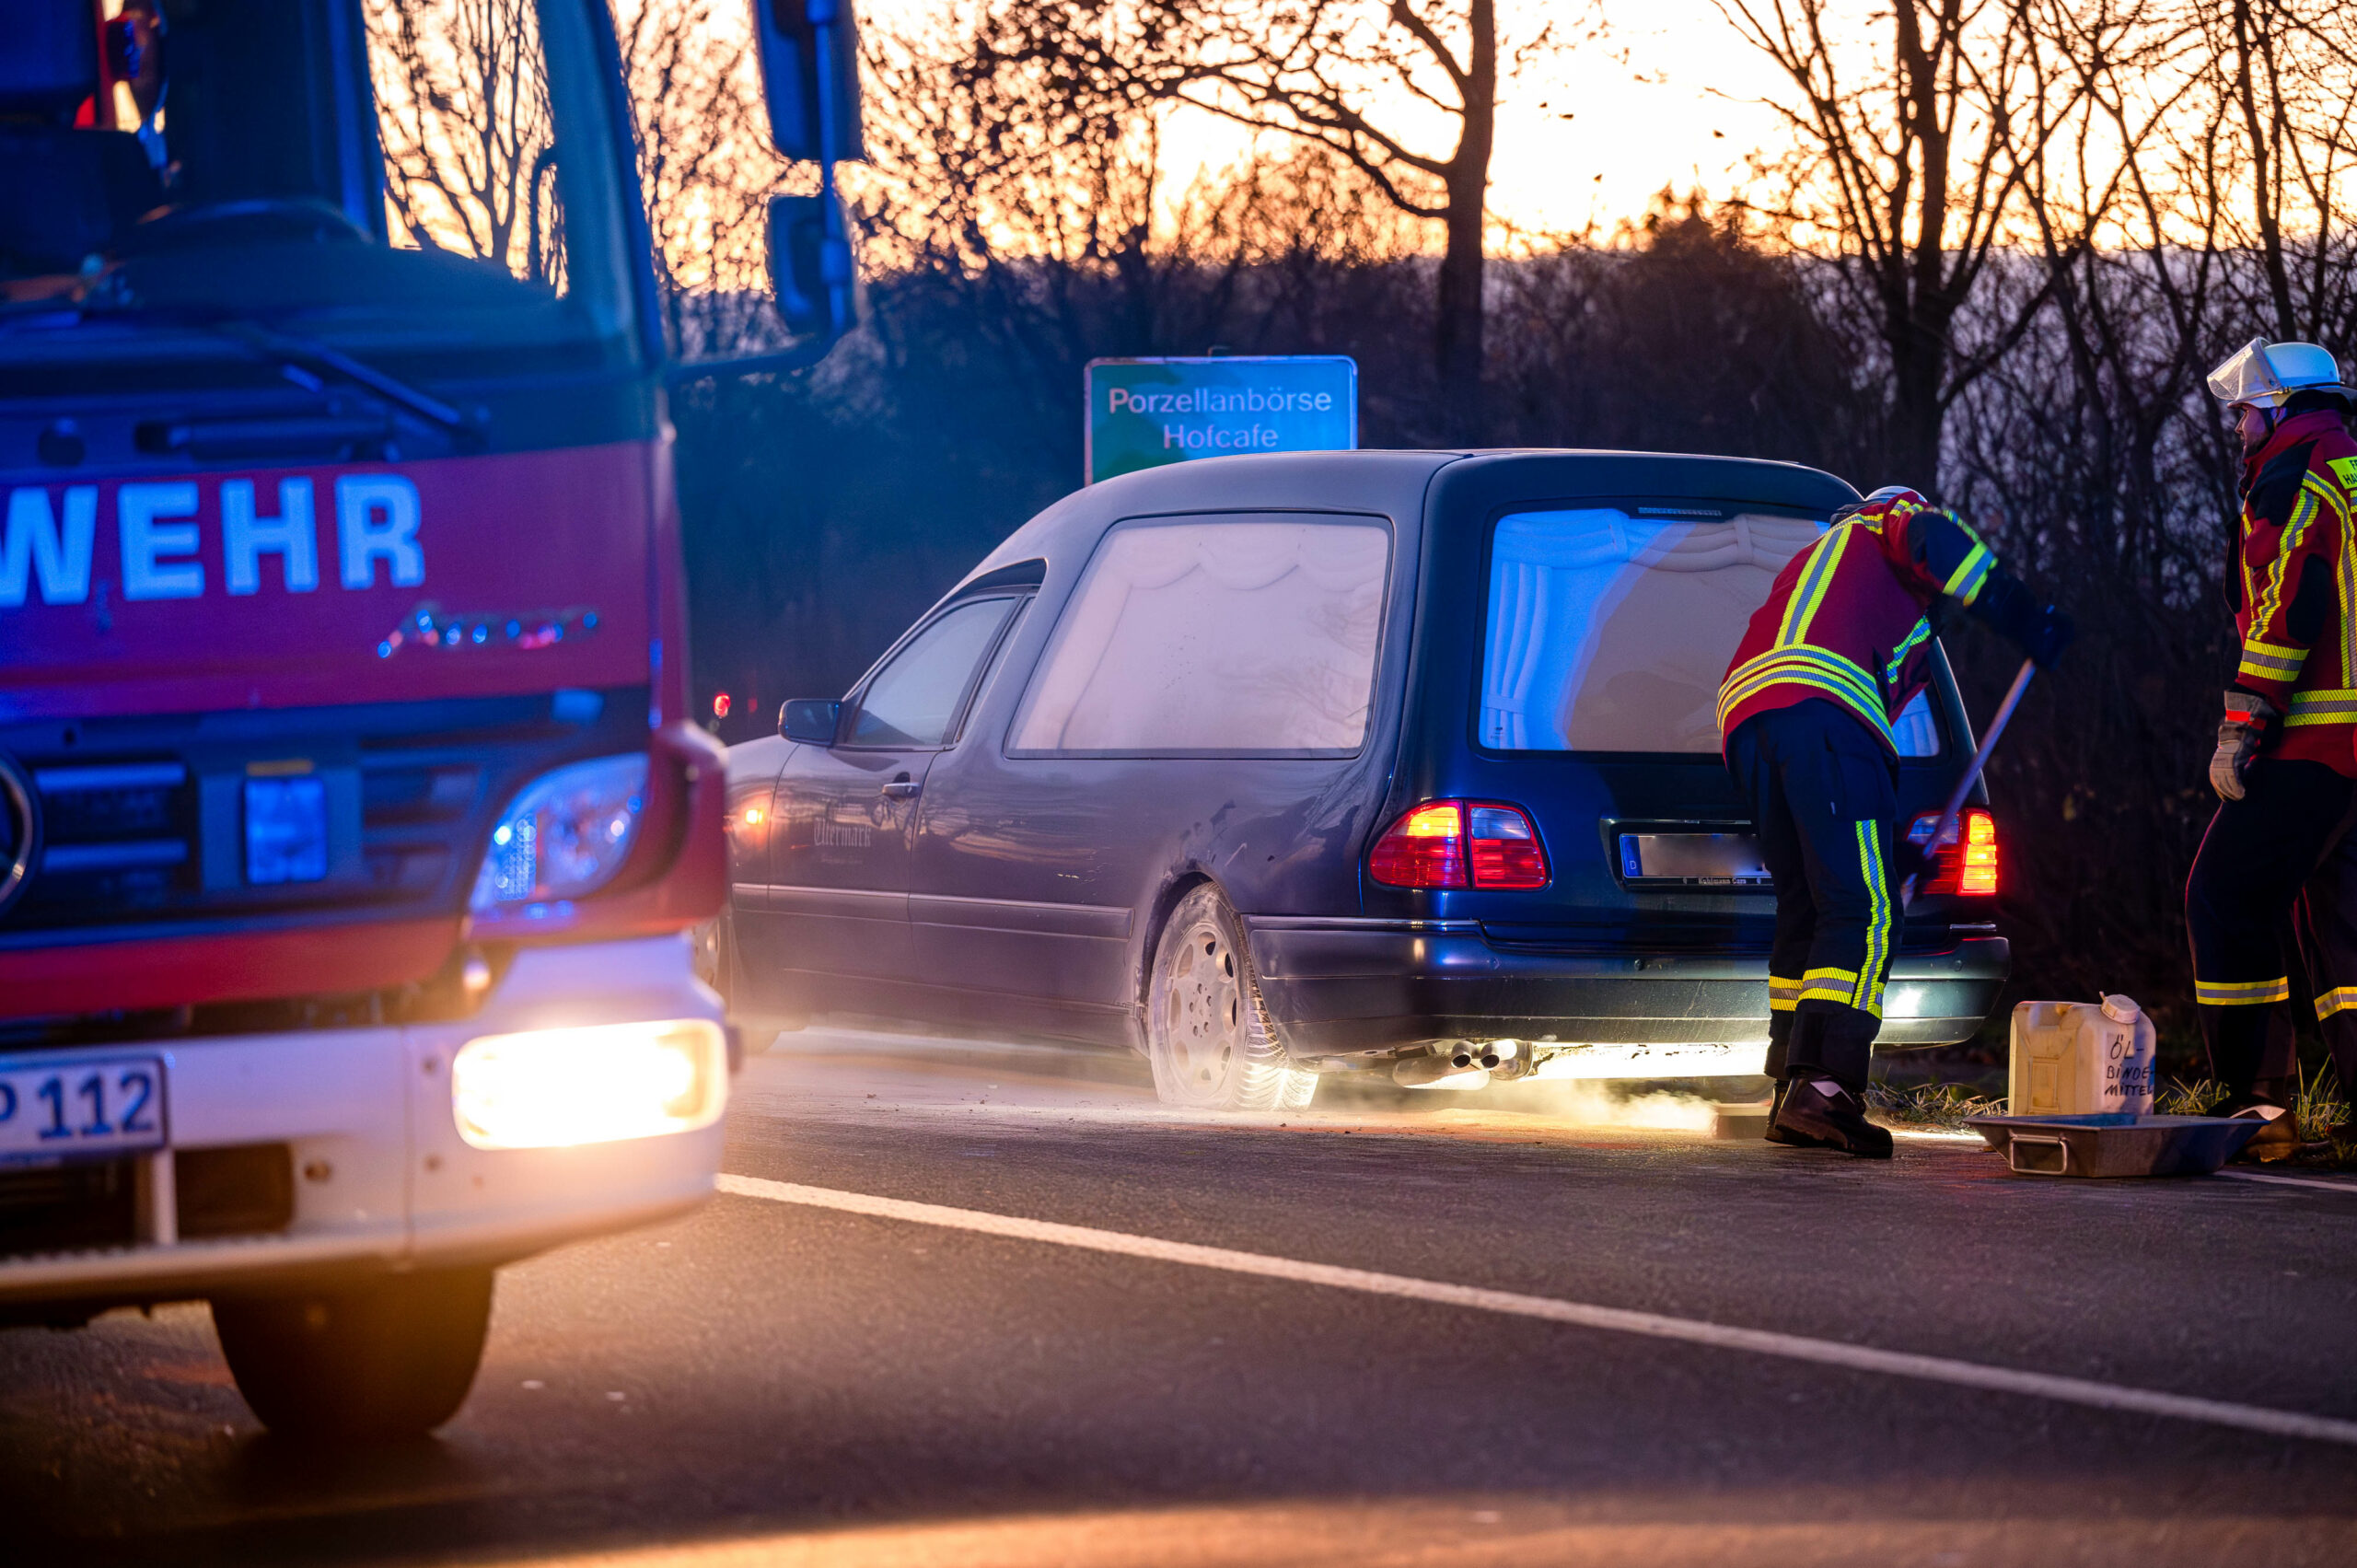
1207,1034
388,1359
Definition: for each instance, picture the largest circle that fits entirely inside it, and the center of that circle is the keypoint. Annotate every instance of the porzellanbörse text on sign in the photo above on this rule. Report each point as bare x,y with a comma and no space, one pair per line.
1182,432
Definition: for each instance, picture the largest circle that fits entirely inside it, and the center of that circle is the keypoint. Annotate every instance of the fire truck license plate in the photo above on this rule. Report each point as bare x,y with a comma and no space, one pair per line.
78,1109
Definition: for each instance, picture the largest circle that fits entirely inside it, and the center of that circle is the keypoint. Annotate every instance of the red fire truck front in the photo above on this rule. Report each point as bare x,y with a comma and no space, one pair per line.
352,818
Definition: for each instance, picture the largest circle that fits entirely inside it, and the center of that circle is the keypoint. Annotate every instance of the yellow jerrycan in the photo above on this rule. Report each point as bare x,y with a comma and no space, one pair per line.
2081,1059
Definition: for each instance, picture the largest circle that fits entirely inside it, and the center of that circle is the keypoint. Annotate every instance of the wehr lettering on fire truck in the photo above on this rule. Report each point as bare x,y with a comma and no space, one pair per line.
52,537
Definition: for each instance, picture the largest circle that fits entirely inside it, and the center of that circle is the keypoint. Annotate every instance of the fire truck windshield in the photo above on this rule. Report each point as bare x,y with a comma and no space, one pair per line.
431,187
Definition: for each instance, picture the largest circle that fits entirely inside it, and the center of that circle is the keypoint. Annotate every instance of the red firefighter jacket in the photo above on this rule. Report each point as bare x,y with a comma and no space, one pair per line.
2293,583
1848,619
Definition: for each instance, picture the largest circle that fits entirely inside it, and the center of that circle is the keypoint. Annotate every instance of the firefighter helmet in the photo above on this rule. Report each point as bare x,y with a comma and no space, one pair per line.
1888,493
2268,373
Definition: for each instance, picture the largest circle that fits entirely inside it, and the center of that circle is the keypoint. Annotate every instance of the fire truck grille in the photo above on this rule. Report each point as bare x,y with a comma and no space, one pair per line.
177,824
119,835
247,1189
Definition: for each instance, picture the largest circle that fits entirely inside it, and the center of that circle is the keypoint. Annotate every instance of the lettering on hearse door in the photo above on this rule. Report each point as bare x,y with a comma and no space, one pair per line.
826,833
51,541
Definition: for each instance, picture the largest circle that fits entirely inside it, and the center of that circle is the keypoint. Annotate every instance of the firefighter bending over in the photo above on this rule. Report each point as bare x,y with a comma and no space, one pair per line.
1805,712
2284,768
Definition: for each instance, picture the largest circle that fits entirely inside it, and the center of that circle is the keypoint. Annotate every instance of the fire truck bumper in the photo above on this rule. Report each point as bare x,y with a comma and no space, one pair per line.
584,1097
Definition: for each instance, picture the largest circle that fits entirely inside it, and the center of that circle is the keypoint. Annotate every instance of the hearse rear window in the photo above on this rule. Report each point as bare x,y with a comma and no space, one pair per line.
1214,636
1609,631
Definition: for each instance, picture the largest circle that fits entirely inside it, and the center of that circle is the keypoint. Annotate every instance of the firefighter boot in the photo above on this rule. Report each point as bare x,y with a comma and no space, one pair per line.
1777,1132
1816,1110
2278,1136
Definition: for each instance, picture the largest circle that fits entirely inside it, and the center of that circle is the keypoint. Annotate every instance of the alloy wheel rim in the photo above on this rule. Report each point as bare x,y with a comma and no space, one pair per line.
1202,1013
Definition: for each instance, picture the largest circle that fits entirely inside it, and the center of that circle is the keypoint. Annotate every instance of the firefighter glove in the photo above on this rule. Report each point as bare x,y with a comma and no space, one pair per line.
2048,633
2238,737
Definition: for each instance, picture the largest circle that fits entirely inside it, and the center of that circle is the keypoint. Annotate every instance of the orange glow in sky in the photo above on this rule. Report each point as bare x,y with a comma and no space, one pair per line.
1583,137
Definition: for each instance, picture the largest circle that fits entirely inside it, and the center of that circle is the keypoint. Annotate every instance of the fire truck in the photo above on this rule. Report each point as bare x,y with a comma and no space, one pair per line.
353,822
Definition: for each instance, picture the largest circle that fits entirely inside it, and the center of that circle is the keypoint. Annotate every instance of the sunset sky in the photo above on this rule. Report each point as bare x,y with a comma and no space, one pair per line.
1641,125
1632,127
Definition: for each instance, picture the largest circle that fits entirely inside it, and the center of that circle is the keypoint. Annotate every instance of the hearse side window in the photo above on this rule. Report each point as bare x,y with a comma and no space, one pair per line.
914,699
1226,637
1609,631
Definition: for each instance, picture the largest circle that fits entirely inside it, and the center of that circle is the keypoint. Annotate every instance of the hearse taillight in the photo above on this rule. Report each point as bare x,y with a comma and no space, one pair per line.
1460,843
1967,864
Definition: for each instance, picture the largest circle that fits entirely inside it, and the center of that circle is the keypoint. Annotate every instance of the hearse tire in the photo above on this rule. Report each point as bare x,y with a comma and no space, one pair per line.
1208,1036
368,1363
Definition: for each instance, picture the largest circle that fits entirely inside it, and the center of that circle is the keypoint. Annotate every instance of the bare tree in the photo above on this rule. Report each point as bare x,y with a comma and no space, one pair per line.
1404,92
1714,338
2286,74
1906,157
1321,70
706,169
1025,196
462,113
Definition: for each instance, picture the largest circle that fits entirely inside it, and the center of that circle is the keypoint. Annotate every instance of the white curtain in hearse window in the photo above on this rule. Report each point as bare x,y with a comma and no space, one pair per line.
1221,636
1608,633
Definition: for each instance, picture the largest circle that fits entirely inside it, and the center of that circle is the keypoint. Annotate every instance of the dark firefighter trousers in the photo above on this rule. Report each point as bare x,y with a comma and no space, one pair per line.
1824,801
2282,853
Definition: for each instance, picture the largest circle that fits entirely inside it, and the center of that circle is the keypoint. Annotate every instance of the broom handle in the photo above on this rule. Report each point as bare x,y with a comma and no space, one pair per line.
1955,807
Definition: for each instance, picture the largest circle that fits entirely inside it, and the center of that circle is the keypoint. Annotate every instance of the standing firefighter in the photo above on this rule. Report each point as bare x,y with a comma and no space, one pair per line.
1805,709
2284,770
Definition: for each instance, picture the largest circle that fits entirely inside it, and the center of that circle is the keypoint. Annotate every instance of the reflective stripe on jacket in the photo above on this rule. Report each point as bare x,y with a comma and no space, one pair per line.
1848,620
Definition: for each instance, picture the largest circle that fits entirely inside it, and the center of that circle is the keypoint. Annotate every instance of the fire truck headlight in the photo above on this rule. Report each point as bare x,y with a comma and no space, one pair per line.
598,1083
564,834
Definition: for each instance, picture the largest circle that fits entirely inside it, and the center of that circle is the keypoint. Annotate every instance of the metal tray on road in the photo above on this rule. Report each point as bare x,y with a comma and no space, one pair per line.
2110,1145
1746,1120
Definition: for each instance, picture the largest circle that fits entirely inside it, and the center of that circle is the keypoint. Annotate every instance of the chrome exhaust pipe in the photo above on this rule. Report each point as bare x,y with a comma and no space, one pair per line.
1438,1073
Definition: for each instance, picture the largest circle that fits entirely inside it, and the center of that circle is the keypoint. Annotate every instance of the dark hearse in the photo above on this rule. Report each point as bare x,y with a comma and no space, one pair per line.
1275,766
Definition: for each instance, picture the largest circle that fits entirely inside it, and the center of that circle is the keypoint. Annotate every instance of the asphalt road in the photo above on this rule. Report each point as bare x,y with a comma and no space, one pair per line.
779,1379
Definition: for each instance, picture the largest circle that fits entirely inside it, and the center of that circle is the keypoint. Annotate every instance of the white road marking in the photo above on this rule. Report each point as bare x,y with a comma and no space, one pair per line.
2347,1189
1652,1325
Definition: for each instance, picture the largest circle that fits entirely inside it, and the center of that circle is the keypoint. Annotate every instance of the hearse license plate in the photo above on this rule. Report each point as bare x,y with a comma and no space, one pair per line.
79,1109
1694,860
